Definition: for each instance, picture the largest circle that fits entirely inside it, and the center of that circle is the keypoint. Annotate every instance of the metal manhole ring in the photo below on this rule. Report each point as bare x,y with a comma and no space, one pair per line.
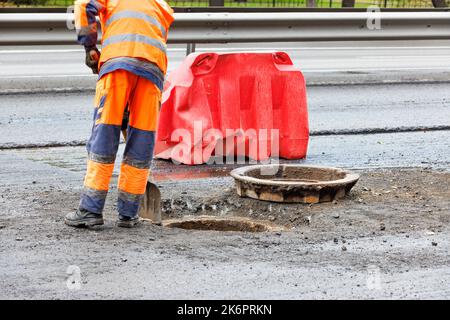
293,183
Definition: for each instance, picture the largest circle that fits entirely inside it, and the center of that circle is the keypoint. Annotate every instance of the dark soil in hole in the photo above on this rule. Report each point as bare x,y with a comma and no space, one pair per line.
219,224
304,174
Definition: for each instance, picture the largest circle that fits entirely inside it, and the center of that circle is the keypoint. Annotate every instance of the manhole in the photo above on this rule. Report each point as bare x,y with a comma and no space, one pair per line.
221,224
293,183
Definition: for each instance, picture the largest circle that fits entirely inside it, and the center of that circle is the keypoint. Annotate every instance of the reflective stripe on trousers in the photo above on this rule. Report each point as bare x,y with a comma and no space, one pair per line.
114,92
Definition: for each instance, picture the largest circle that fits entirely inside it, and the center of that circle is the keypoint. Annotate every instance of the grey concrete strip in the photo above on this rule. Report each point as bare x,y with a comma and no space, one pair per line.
361,78
86,83
49,84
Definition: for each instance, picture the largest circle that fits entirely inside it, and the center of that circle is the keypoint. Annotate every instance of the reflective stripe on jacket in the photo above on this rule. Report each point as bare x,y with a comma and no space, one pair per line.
131,28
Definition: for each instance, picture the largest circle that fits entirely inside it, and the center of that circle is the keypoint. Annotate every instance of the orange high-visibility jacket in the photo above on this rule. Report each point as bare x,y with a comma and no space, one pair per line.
135,29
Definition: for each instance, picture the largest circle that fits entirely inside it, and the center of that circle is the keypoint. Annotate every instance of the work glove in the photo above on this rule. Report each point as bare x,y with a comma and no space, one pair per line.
92,58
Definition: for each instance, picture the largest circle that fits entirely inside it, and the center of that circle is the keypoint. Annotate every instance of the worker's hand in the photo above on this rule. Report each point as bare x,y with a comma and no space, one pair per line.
92,58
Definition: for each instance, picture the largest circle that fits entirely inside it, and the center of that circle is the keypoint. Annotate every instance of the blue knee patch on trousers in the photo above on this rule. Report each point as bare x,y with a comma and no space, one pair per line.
127,208
140,144
104,140
92,204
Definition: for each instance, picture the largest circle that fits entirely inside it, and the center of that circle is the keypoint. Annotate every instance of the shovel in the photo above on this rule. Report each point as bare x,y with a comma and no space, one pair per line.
150,205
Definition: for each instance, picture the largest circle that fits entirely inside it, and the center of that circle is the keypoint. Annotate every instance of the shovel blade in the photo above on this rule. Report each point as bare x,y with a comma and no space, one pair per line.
150,206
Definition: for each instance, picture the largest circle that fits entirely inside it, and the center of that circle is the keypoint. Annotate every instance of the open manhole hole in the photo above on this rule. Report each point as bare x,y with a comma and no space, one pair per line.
293,183
206,223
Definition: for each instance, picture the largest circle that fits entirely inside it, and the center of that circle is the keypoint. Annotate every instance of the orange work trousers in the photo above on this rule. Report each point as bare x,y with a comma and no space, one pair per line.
115,91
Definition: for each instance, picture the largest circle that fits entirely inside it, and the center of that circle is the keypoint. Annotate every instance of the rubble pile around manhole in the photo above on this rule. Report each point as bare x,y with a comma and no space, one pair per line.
293,183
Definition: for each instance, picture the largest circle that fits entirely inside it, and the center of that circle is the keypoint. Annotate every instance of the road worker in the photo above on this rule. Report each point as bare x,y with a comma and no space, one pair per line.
131,69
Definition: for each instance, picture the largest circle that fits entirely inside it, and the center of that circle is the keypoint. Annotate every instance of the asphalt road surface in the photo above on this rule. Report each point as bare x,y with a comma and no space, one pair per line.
380,109
332,109
310,57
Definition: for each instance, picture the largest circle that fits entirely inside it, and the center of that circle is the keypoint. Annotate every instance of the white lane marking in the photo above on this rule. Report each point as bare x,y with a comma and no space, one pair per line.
237,48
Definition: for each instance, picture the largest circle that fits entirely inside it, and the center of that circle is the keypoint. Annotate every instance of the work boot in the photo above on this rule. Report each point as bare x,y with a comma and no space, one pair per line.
83,218
127,222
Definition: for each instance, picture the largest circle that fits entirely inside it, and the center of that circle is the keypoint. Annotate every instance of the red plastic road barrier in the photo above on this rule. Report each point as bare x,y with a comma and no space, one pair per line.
233,104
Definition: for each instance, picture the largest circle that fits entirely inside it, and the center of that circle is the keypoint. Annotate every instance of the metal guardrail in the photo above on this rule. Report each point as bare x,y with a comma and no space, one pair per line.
52,28
264,3
232,9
